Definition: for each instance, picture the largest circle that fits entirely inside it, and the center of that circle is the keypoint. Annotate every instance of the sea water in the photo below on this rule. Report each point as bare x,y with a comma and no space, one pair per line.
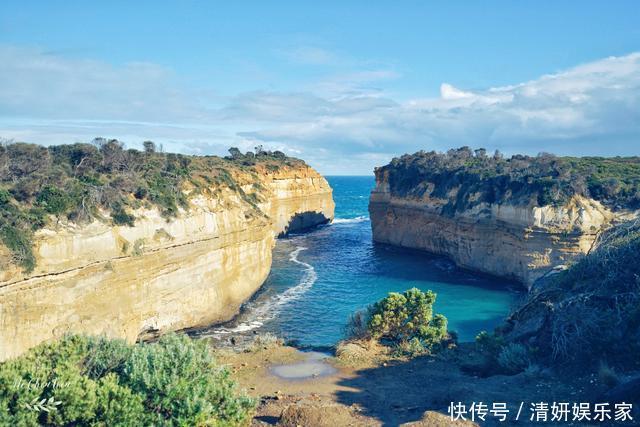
318,279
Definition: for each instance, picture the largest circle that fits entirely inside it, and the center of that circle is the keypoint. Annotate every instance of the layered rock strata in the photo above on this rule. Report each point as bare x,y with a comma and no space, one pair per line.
513,241
159,275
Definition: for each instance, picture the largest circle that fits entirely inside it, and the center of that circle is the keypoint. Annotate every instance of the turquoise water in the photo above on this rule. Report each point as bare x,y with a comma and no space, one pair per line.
319,278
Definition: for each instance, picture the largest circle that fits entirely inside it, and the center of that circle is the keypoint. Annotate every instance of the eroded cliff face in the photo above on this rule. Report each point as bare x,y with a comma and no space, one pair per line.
159,275
517,242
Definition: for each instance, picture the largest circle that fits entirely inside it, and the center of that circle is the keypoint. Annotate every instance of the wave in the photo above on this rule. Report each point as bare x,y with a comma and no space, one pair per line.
267,310
350,220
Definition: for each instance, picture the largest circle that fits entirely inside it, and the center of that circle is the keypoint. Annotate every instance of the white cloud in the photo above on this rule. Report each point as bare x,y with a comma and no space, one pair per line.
447,91
342,123
34,83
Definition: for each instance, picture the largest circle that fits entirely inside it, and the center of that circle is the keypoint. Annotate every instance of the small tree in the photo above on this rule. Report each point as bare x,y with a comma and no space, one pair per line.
408,318
235,153
481,153
149,147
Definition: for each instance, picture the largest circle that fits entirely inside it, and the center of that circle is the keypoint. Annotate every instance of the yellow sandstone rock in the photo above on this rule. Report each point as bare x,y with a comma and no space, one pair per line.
522,243
157,276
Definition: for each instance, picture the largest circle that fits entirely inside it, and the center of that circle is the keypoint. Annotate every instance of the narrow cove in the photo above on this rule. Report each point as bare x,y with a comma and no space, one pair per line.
318,279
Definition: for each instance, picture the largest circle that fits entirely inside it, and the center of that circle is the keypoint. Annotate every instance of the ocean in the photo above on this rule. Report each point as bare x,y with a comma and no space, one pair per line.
318,279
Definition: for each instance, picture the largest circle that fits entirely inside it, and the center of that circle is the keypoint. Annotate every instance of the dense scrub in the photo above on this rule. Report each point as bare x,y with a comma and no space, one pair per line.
466,178
80,181
588,314
96,381
404,321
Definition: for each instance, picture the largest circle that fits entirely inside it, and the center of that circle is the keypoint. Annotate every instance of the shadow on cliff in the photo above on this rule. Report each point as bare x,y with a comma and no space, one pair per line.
304,221
404,263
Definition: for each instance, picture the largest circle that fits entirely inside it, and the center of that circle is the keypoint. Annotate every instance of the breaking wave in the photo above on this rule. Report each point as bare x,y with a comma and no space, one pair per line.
267,310
350,220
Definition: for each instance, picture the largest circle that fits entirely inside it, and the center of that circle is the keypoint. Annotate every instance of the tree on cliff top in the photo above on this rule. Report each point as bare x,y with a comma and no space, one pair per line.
521,180
79,182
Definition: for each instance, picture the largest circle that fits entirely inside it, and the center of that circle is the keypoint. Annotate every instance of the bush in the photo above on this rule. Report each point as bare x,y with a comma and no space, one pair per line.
406,320
607,376
357,325
96,381
514,358
53,200
121,217
489,344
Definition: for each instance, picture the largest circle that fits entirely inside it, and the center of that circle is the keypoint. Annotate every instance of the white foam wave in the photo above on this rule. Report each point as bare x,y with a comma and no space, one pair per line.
268,309
350,220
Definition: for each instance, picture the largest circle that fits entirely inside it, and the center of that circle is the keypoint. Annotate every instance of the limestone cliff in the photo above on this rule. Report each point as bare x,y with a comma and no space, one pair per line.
481,223
160,274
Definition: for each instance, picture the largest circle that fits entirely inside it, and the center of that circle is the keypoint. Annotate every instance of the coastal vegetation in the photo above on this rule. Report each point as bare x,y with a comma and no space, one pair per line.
465,178
589,313
103,382
585,318
105,181
403,321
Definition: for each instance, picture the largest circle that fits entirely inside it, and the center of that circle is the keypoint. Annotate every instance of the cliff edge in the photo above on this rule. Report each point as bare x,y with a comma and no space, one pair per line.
517,218
155,242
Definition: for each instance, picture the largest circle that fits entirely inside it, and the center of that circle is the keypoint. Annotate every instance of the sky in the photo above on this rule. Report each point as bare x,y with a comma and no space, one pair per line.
344,85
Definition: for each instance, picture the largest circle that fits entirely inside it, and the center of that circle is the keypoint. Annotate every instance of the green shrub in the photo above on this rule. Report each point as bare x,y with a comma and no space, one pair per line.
407,320
53,200
96,381
18,241
607,376
358,325
485,361
121,217
5,196
489,344
514,358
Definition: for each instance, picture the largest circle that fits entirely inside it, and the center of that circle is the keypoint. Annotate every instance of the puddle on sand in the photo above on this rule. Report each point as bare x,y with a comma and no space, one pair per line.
313,366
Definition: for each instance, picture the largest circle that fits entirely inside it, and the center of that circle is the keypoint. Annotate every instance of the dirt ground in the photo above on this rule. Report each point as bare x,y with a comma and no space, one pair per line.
384,391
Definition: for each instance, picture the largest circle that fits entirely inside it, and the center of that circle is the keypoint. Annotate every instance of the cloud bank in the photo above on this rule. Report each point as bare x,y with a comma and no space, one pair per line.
340,124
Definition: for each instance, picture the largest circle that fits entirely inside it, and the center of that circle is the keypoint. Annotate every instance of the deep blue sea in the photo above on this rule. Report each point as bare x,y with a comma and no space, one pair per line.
319,278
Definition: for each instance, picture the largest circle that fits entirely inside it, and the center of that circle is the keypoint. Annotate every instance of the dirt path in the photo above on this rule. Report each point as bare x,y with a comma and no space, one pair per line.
386,393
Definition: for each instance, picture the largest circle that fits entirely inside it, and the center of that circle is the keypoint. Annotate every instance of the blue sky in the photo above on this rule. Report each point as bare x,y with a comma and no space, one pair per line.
344,85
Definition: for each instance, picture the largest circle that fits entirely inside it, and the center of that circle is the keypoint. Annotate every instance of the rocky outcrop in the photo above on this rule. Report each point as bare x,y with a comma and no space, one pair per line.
159,275
514,241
